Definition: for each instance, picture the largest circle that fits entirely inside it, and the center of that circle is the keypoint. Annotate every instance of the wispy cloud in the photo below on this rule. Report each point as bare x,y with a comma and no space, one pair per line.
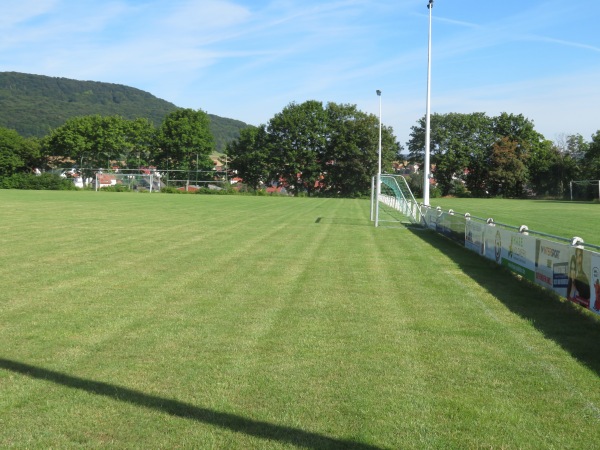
248,58
16,12
564,43
207,15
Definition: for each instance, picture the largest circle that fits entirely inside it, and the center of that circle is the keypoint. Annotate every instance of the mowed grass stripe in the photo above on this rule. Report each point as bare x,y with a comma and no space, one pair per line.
293,312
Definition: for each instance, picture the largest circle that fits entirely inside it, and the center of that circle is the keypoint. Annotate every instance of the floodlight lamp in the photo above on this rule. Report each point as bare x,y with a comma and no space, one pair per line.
378,92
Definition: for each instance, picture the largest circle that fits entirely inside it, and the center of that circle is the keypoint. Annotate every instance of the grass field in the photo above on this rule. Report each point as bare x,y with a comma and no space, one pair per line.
187,321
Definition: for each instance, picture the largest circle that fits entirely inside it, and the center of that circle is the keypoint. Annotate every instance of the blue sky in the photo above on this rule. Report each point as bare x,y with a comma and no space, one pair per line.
248,59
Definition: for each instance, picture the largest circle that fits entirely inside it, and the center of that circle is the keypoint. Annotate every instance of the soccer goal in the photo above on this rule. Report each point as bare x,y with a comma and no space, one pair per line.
128,180
585,189
395,202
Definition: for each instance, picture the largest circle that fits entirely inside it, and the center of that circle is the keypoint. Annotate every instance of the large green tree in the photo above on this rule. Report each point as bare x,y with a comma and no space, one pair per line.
351,151
551,167
17,154
326,150
465,148
97,141
184,141
298,137
460,145
139,135
508,172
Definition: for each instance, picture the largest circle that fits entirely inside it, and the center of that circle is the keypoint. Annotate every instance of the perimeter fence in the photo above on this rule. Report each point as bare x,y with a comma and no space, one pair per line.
568,267
144,179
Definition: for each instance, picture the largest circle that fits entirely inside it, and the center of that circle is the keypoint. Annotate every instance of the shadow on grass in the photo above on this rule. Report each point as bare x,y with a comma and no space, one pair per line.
574,329
343,221
264,430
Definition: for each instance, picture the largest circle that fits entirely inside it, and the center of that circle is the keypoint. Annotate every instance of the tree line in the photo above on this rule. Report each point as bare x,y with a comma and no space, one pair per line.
480,156
332,150
327,149
182,142
314,149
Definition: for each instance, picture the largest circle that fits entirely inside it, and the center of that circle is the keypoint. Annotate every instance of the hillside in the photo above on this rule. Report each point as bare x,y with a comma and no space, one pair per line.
35,104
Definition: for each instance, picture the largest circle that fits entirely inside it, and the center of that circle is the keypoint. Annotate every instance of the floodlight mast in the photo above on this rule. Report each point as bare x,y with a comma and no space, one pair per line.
426,163
378,166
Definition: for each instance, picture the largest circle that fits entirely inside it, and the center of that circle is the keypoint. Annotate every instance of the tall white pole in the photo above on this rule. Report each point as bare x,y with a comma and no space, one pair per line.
372,199
426,163
379,166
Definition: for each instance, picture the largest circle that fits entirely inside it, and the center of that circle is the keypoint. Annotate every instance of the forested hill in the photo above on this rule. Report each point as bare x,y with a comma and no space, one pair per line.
35,104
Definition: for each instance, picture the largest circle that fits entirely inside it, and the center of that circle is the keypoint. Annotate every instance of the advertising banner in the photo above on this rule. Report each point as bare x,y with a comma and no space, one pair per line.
492,243
513,250
474,236
518,253
579,288
552,265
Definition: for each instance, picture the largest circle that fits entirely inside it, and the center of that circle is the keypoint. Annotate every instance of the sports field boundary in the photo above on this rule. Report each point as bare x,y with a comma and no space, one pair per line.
570,326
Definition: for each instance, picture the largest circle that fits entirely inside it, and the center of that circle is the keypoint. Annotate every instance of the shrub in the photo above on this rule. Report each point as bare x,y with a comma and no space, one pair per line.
116,188
435,192
46,181
208,191
458,189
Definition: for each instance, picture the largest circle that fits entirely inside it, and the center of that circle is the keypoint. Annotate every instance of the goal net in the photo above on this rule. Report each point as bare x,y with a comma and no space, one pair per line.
134,181
396,201
585,189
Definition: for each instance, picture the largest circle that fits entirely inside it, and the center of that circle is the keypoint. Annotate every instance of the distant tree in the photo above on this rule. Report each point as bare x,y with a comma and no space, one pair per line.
351,155
298,137
576,146
463,146
331,150
531,148
250,156
140,135
17,154
591,158
519,130
544,165
551,167
184,141
91,141
460,146
508,174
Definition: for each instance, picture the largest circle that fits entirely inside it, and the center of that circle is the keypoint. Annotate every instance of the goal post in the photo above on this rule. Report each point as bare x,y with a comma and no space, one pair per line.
134,181
584,189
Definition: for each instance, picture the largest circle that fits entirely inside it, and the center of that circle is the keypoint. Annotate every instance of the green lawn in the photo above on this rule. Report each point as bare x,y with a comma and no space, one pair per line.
561,218
186,321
